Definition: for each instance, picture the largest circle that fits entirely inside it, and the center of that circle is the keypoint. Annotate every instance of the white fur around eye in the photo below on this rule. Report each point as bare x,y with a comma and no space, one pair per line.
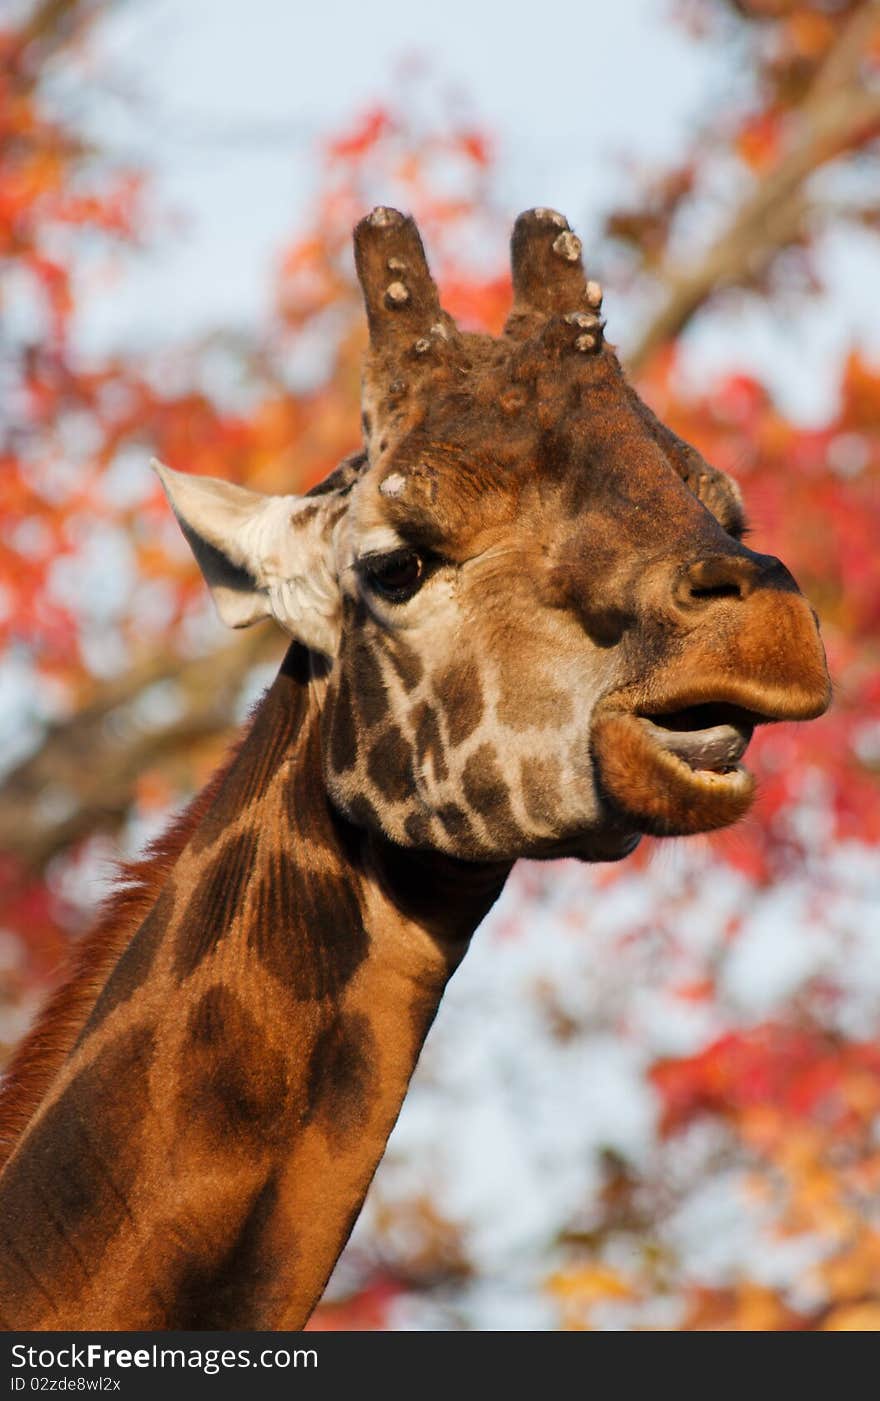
381,540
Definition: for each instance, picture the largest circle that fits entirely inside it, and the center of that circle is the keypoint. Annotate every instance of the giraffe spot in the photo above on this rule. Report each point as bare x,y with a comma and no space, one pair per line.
303,514
461,695
235,1085
527,701
429,743
389,765
455,820
486,792
276,724
407,663
368,685
341,1076
418,829
343,741
307,929
541,783
65,1190
310,815
216,902
241,1285
133,968
362,813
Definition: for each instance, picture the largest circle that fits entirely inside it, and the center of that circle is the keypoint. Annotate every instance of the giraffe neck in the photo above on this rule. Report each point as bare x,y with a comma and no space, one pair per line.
201,1156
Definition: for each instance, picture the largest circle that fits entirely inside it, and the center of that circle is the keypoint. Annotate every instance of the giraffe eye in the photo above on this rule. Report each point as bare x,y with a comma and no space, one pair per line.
396,577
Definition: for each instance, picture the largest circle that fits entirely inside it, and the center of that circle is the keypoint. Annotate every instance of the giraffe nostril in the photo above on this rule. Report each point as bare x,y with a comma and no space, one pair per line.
716,591
718,577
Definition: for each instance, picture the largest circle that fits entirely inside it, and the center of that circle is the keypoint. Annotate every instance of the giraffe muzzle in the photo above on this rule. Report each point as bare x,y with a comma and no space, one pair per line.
668,748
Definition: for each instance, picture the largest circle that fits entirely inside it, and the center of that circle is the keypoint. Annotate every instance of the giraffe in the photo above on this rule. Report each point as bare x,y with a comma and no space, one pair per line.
523,622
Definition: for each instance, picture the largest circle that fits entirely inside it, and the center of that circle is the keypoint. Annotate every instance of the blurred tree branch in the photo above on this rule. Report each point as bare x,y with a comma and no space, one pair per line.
50,27
839,111
82,777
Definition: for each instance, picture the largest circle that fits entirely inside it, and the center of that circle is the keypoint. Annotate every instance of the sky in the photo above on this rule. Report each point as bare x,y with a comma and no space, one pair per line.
227,104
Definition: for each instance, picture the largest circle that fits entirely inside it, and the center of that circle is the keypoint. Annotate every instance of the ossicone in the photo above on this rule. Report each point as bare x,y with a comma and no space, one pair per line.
549,281
403,309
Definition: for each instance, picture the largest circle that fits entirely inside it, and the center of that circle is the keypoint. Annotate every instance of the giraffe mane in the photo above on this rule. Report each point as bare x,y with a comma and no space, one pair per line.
91,960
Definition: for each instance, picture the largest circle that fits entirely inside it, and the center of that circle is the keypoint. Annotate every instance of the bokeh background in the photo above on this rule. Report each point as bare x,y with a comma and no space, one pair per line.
652,1096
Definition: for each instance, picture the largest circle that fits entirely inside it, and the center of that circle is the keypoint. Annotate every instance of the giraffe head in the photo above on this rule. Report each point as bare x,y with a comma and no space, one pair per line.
544,633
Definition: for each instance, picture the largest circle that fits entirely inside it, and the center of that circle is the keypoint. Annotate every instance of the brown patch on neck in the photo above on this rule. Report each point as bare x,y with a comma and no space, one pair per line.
446,896
85,1153
246,773
212,1294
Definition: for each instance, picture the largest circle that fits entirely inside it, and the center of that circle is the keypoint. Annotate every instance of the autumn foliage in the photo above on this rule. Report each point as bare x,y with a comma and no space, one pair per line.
125,706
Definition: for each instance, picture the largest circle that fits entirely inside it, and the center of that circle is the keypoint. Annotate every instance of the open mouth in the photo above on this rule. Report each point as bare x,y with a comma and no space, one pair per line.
710,739
676,770
667,748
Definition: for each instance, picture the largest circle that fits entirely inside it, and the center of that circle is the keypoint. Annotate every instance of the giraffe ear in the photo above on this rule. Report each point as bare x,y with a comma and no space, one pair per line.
262,556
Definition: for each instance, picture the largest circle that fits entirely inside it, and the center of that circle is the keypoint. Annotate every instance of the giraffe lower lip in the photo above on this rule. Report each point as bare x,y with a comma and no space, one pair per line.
669,777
